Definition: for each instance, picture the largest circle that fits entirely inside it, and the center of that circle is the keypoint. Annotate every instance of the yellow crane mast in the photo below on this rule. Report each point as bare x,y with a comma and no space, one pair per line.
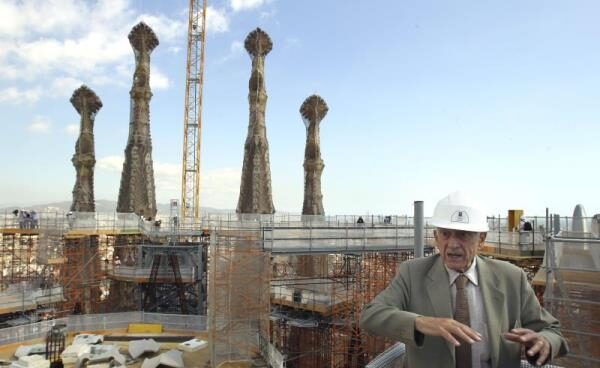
192,118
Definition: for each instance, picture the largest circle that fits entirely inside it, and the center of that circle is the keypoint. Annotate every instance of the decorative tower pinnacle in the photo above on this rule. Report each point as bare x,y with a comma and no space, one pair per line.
87,104
137,191
255,188
313,110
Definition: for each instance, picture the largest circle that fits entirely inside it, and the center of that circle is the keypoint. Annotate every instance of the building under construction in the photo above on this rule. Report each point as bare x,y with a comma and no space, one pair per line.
243,282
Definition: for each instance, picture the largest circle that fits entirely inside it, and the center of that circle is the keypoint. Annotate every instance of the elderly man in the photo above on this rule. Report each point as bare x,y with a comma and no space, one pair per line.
456,309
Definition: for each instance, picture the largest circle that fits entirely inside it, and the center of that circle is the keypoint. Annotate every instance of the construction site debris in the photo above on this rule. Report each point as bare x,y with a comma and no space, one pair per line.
33,361
73,352
25,350
101,354
171,358
139,347
193,345
88,339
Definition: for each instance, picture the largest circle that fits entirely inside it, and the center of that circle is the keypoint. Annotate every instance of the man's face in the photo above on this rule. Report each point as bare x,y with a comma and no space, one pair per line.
458,247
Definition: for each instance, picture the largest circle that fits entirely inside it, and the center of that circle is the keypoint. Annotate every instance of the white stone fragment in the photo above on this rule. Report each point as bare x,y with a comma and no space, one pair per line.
88,339
171,358
25,350
31,361
192,345
139,347
100,354
72,352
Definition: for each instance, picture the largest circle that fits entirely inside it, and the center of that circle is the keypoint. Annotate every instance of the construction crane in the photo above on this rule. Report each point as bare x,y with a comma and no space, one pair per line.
192,118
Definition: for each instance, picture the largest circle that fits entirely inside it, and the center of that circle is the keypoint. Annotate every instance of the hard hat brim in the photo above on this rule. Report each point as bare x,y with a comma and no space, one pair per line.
460,226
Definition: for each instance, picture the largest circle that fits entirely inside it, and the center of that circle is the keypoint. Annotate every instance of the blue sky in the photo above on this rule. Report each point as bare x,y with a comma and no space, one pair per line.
496,98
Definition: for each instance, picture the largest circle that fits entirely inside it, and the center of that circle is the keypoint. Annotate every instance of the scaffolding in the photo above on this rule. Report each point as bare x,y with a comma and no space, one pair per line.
315,320
572,294
238,310
18,256
96,263
28,274
258,301
81,275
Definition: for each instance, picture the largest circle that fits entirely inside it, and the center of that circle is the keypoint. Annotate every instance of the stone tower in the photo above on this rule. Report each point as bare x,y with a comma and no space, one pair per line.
137,192
255,188
87,104
313,110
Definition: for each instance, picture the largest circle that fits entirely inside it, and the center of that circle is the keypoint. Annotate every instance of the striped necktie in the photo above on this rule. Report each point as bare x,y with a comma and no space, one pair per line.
461,314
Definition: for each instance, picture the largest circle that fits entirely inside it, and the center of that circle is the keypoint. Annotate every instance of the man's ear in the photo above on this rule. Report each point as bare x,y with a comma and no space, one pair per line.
482,237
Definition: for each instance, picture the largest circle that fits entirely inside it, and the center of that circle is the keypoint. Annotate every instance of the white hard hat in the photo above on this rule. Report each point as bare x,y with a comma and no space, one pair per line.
457,211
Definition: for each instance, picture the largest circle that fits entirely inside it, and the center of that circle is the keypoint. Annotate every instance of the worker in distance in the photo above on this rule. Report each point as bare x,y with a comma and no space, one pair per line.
456,309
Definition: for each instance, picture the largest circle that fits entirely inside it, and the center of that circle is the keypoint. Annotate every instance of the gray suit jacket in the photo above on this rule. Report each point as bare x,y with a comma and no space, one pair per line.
421,288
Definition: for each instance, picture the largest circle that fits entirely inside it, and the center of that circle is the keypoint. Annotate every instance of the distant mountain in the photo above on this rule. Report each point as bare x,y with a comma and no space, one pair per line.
101,206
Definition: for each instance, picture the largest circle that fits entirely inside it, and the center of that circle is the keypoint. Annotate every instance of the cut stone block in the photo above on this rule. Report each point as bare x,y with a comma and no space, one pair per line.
193,345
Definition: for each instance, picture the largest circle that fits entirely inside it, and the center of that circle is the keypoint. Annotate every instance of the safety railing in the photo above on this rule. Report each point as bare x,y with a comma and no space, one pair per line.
572,294
313,233
188,274
97,322
26,296
393,355
323,239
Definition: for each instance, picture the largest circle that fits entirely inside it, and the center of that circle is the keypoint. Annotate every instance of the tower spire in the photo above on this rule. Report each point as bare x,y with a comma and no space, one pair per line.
87,104
313,110
255,188
137,191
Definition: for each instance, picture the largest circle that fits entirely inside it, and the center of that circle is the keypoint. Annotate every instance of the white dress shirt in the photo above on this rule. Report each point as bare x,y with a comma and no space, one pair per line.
480,351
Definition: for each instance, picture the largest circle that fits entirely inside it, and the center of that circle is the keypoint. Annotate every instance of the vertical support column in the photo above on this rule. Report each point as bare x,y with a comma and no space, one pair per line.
87,104
255,188
555,224
419,229
137,191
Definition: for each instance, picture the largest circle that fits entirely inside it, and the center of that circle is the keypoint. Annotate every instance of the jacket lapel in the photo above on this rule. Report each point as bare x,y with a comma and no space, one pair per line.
437,285
493,302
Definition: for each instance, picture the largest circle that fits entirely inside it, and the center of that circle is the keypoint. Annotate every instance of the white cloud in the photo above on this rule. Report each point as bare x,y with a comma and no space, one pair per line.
17,18
16,96
174,49
235,49
217,20
238,5
291,42
220,187
82,56
39,124
8,71
167,177
79,41
64,86
225,179
158,80
111,163
72,130
166,29
267,14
